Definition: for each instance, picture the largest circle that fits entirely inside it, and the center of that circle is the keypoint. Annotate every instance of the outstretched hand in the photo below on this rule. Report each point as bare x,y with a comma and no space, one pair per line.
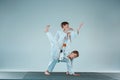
81,24
78,29
47,28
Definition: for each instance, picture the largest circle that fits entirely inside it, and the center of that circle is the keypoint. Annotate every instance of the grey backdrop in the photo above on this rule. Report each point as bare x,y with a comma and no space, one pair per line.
24,45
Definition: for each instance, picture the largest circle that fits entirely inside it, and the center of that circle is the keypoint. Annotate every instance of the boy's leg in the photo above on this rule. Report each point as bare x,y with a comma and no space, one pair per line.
53,61
50,36
70,70
51,66
69,67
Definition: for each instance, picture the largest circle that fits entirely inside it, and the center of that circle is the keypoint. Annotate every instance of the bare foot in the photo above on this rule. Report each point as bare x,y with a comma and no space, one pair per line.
76,74
67,73
47,73
47,28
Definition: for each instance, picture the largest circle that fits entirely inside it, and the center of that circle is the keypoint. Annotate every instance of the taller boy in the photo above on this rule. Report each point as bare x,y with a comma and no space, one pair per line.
60,43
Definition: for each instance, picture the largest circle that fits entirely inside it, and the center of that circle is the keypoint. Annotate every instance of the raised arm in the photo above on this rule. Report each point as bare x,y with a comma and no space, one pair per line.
75,33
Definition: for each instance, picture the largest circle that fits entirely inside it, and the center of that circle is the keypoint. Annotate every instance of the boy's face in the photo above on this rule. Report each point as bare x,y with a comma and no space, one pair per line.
66,27
72,55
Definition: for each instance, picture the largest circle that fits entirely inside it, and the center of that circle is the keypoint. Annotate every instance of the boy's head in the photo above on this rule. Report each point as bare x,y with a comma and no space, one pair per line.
74,54
65,25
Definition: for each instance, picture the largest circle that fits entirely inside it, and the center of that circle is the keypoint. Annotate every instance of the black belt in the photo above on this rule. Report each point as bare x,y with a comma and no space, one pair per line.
61,51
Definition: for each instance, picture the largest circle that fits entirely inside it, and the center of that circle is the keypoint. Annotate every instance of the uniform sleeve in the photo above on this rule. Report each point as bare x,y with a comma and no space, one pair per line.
51,38
57,36
74,34
70,67
61,39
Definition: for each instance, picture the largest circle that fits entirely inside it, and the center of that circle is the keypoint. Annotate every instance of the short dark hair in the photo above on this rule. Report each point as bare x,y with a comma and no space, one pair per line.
76,52
64,23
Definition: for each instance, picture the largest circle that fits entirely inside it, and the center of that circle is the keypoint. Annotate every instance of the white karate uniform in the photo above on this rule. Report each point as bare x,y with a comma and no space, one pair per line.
56,43
61,38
